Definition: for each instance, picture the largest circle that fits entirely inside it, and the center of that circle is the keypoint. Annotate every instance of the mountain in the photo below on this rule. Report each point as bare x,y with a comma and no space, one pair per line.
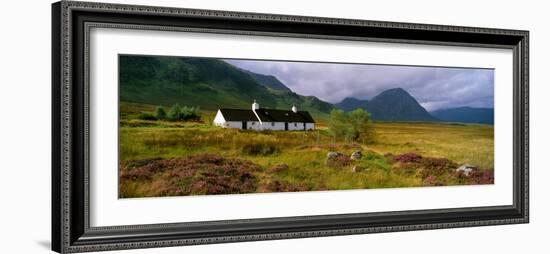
269,81
204,82
397,105
465,115
349,104
390,105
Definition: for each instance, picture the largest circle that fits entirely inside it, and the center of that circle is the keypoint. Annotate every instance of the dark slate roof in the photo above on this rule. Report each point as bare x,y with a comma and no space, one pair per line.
267,115
277,115
230,114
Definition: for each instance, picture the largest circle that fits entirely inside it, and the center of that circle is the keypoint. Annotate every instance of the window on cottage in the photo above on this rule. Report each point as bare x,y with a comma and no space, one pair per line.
253,123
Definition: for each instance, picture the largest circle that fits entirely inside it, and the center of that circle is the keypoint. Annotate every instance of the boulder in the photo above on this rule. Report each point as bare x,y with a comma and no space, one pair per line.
466,169
331,156
356,155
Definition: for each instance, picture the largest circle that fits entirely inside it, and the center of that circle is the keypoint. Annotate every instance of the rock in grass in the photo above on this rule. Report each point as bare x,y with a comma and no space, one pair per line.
466,169
356,155
337,160
331,156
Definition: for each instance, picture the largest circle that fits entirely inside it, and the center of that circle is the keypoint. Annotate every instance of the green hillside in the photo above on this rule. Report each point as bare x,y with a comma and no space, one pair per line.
208,83
269,81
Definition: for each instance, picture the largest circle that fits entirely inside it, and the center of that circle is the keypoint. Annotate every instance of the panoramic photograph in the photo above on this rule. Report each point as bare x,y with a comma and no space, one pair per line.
207,126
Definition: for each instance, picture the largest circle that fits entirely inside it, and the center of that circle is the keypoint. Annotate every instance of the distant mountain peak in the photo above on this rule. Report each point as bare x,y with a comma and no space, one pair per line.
394,104
351,103
394,92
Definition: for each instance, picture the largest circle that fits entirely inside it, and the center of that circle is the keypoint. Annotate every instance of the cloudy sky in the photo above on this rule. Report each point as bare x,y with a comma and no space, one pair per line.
433,87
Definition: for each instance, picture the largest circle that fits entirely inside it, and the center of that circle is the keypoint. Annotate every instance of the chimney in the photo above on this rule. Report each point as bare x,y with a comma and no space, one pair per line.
255,106
294,109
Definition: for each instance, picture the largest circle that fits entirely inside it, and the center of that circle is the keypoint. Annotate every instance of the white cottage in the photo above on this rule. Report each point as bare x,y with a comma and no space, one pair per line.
264,119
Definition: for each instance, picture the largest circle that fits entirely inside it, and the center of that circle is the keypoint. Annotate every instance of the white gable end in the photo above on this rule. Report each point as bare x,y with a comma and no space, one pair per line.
219,120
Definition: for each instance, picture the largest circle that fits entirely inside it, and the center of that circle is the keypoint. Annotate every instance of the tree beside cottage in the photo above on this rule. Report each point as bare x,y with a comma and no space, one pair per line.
264,119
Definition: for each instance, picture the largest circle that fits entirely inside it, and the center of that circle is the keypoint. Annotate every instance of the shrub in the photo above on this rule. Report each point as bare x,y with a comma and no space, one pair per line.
407,157
427,166
146,116
175,112
259,149
437,164
224,180
436,167
197,174
140,169
160,113
481,177
354,126
191,113
178,113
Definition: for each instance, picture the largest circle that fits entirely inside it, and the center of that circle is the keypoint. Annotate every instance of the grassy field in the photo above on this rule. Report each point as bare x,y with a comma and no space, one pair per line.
462,143
161,158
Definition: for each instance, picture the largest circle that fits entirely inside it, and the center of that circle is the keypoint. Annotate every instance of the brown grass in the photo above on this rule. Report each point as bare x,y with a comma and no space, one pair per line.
154,155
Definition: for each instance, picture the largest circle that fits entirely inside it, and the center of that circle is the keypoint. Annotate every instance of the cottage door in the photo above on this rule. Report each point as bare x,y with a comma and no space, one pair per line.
244,125
286,126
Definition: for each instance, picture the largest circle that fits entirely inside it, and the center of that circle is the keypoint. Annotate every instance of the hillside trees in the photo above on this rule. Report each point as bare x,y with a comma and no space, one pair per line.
176,113
179,113
160,113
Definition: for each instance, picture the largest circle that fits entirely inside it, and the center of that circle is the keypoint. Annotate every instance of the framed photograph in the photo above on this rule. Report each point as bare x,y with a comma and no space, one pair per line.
181,126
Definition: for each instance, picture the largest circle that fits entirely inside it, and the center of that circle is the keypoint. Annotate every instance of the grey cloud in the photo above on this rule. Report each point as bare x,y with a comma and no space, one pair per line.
433,87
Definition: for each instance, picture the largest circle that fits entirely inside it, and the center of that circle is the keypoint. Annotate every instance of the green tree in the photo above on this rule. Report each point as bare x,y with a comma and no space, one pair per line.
337,124
360,126
146,116
175,112
354,126
178,113
192,113
160,113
